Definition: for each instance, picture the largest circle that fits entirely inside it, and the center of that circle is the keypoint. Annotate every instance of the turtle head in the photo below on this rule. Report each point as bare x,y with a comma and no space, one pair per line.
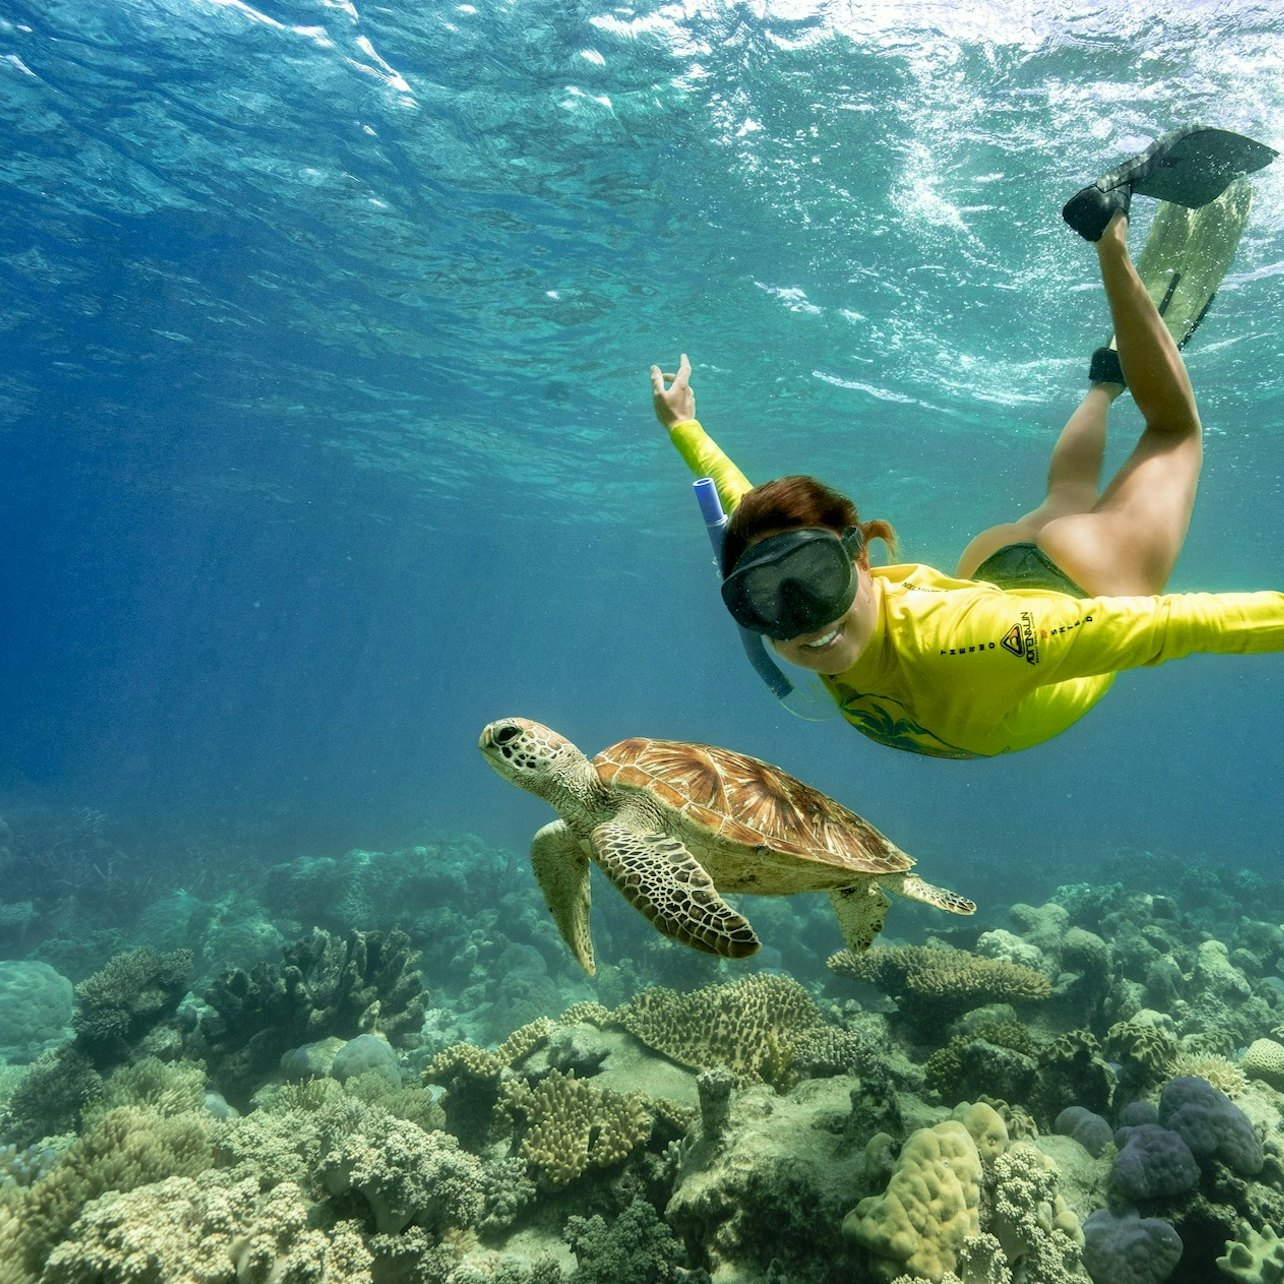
532,756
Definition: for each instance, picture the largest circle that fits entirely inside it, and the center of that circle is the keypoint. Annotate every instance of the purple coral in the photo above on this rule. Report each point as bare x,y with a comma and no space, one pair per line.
1211,1124
1122,1248
1152,1162
1090,1130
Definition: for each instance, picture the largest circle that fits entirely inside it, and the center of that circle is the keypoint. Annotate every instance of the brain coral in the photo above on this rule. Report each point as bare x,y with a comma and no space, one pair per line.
749,1026
1264,1059
929,1208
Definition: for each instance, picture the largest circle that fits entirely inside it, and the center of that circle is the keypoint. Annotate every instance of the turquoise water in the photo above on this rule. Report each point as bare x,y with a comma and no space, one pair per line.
327,435
326,438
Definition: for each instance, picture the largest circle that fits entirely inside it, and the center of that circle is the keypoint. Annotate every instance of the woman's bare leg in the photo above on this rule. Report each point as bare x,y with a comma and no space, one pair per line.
1125,541
1074,479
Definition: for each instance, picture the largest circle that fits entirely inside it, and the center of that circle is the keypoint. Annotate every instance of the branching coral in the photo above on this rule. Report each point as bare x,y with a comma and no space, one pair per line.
117,1006
206,1231
125,1148
368,982
568,1125
750,1026
403,1173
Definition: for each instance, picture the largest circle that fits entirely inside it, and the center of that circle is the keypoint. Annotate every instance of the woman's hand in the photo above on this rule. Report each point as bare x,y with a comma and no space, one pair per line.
676,402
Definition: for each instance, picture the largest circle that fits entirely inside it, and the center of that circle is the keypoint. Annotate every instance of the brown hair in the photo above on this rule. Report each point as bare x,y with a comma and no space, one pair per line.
792,503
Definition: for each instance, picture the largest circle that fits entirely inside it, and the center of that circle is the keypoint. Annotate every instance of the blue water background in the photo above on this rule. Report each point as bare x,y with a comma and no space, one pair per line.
325,432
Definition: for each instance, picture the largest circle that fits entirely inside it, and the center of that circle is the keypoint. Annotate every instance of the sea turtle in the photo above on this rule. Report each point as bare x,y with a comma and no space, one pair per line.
673,824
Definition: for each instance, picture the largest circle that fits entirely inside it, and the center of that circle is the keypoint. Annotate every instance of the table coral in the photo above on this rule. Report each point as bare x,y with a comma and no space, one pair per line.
934,984
749,1026
918,1224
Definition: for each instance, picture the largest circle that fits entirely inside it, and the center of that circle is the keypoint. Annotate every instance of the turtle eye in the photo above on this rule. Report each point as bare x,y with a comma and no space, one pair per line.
506,735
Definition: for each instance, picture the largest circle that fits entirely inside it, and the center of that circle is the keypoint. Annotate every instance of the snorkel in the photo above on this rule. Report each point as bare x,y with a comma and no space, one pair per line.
812,701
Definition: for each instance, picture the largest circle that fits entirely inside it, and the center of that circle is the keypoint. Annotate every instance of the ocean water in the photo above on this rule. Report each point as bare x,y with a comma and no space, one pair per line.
325,425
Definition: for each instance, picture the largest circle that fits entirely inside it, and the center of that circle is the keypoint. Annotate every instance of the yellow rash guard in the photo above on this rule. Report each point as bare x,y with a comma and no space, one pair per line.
963,669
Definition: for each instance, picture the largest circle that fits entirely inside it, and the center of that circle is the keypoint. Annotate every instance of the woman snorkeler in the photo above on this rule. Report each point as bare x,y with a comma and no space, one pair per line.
1041,613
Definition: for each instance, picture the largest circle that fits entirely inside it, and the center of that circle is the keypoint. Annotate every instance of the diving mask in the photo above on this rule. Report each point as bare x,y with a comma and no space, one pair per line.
795,582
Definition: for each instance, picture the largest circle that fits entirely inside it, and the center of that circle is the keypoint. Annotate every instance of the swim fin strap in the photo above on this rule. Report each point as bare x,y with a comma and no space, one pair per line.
1194,166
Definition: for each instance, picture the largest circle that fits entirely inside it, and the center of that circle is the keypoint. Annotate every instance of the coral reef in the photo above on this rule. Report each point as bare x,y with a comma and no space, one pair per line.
935,984
751,1027
326,987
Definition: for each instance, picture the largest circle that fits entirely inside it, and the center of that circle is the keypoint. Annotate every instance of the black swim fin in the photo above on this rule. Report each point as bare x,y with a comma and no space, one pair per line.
1191,167
1194,166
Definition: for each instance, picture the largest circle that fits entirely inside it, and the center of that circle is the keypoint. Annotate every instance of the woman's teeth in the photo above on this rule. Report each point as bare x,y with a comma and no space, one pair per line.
822,641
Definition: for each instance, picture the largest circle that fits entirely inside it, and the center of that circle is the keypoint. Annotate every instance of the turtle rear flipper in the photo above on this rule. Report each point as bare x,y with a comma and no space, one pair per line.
562,872
658,876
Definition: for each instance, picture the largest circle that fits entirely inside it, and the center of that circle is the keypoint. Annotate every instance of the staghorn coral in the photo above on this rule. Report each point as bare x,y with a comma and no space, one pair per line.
751,1026
567,1125
326,987
933,984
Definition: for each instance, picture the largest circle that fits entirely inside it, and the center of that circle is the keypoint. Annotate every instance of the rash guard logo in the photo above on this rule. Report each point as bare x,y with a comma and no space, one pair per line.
1021,640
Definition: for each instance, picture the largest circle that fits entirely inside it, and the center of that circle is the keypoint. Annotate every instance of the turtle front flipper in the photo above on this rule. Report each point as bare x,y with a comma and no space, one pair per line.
860,910
658,876
562,872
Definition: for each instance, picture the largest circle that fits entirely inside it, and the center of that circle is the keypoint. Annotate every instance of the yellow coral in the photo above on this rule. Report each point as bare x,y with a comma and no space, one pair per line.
749,1026
572,1126
1221,1072
919,1224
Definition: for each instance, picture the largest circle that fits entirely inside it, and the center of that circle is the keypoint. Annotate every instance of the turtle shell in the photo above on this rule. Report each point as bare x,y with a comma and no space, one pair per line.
737,801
